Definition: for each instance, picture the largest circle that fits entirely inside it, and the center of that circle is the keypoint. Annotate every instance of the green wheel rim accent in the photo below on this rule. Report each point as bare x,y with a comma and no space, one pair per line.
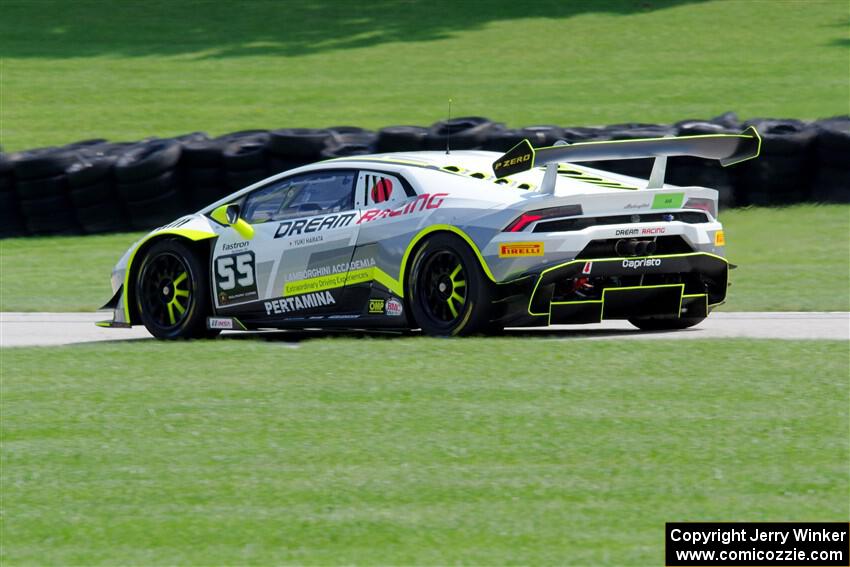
166,292
443,287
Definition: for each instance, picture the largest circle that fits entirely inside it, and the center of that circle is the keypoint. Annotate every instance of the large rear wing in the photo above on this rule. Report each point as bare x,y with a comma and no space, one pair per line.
727,148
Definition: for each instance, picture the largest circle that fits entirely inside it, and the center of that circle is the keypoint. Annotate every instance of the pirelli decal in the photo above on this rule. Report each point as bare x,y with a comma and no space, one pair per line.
519,158
517,249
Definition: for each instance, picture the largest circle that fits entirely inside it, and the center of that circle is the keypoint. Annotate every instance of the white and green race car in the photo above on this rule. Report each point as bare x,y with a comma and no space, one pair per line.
451,243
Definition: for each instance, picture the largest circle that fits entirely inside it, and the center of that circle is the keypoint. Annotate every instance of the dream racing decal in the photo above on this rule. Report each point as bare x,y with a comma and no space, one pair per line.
515,249
314,224
420,203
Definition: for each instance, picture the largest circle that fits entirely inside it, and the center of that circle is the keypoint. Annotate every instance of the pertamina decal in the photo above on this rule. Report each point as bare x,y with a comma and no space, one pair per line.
516,249
299,303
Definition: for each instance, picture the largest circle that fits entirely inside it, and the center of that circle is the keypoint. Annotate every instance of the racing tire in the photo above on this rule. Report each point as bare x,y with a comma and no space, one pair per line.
449,292
172,292
665,323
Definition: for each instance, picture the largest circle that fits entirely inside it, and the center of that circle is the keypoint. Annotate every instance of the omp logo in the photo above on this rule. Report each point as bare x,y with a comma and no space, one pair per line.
514,249
642,263
299,302
512,161
376,306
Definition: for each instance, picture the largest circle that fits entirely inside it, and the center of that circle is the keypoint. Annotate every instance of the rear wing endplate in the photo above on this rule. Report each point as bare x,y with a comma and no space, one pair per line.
727,148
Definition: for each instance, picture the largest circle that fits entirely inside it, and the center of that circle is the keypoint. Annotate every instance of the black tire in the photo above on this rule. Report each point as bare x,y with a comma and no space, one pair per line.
440,306
148,189
246,153
298,143
102,217
42,188
401,139
240,179
665,323
45,206
146,160
41,162
90,195
203,153
172,292
278,165
90,171
466,133
343,145
155,212
62,222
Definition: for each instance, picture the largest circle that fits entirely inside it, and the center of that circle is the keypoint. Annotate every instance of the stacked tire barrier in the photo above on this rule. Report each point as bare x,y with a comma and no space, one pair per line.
95,186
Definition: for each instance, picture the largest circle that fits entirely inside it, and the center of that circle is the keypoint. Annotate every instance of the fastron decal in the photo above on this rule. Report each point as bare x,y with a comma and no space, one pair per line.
299,303
313,224
420,203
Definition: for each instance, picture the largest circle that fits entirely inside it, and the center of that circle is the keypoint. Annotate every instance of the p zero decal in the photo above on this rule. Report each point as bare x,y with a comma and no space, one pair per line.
516,249
517,159
234,278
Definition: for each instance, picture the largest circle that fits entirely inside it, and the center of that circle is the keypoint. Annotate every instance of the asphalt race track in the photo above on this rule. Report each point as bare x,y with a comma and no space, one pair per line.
52,329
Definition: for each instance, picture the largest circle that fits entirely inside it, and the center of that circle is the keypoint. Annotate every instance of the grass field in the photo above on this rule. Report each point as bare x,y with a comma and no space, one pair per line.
129,70
412,450
789,259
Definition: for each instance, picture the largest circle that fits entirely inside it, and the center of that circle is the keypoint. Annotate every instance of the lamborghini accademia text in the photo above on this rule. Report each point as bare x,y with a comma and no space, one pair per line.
450,243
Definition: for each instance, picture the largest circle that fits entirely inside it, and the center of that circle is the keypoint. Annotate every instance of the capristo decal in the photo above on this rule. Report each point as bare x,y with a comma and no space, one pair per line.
299,303
642,263
314,224
514,249
420,203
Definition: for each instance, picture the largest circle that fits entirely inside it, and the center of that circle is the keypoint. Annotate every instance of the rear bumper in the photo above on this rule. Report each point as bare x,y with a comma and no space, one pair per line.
678,285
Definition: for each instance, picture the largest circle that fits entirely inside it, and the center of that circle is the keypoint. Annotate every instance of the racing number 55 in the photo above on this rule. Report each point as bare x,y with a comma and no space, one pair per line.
235,270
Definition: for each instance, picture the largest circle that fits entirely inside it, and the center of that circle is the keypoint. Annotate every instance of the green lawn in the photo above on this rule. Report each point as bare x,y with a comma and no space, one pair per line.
127,70
795,258
400,451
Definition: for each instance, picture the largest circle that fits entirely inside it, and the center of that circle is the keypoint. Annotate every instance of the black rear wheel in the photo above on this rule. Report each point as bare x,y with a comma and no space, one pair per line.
665,323
172,292
449,292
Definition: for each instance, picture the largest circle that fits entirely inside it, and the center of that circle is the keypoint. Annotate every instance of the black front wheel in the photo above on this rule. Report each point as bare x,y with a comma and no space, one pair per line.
449,292
172,292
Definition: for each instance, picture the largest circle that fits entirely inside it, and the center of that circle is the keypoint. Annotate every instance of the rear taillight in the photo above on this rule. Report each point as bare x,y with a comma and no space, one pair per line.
521,222
706,205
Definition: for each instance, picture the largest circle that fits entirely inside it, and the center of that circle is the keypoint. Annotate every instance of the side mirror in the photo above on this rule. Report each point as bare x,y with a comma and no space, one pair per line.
229,215
232,213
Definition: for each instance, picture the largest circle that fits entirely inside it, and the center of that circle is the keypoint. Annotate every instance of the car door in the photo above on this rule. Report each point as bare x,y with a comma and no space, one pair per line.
295,266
